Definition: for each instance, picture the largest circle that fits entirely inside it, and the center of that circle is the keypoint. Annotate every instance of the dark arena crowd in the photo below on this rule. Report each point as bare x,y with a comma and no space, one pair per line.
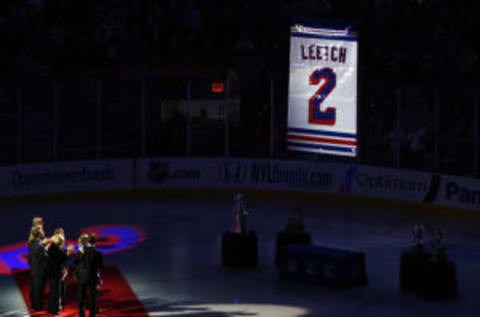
417,79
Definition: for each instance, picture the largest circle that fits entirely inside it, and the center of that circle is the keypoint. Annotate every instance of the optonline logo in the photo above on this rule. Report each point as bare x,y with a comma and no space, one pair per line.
381,182
384,182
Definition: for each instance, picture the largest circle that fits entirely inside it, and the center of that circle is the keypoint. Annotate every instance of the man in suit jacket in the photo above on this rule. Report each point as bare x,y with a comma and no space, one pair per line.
57,256
89,261
37,259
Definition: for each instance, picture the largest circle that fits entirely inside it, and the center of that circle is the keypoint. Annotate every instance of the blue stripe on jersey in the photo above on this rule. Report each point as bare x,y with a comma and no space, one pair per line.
322,147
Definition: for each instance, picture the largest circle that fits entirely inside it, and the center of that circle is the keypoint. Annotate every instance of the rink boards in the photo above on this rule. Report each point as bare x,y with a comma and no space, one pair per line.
150,174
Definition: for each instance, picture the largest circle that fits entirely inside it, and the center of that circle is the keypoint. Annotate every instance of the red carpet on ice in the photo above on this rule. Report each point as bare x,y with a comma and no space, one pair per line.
116,296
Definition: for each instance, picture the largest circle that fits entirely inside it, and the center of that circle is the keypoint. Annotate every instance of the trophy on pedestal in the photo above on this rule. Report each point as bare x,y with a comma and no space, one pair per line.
417,232
293,233
239,214
428,272
239,247
438,239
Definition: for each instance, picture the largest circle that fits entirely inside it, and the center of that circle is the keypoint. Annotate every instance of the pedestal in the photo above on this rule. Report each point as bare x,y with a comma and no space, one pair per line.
288,238
239,249
323,266
432,276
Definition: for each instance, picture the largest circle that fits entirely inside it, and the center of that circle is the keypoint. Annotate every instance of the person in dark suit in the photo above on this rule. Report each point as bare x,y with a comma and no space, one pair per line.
57,256
37,260
63,287
89,261
82,244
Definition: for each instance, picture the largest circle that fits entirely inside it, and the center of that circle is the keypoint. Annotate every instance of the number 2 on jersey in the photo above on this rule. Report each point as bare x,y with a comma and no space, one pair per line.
315,114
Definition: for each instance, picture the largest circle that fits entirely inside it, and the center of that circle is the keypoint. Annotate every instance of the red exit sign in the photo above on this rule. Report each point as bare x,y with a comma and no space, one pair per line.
218,87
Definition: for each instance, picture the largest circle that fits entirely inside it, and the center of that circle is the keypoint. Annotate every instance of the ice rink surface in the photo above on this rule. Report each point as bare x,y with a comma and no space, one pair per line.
177,270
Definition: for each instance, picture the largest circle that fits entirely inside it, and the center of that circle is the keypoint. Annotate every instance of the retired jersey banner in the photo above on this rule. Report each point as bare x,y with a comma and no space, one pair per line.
322,99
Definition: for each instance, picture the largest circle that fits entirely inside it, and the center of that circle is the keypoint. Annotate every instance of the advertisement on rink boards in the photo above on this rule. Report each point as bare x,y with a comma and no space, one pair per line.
322,95
176,172
65,177
282,175
302,176
238,174
459,192
412,186
389,183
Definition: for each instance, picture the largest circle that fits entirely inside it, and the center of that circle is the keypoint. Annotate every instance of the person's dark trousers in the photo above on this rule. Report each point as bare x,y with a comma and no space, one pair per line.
87,294
32,292
37,289
54,295
93,300
63,291
82,296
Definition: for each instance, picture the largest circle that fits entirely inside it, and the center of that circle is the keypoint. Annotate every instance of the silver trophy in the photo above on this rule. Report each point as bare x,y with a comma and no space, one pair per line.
417,232
239,214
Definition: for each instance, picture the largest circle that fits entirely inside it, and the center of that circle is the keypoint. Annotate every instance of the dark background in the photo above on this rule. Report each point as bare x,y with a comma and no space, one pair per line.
61,59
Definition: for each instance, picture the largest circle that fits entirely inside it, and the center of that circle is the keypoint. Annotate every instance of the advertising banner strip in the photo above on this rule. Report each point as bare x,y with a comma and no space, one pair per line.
238,174
459,192
66,177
